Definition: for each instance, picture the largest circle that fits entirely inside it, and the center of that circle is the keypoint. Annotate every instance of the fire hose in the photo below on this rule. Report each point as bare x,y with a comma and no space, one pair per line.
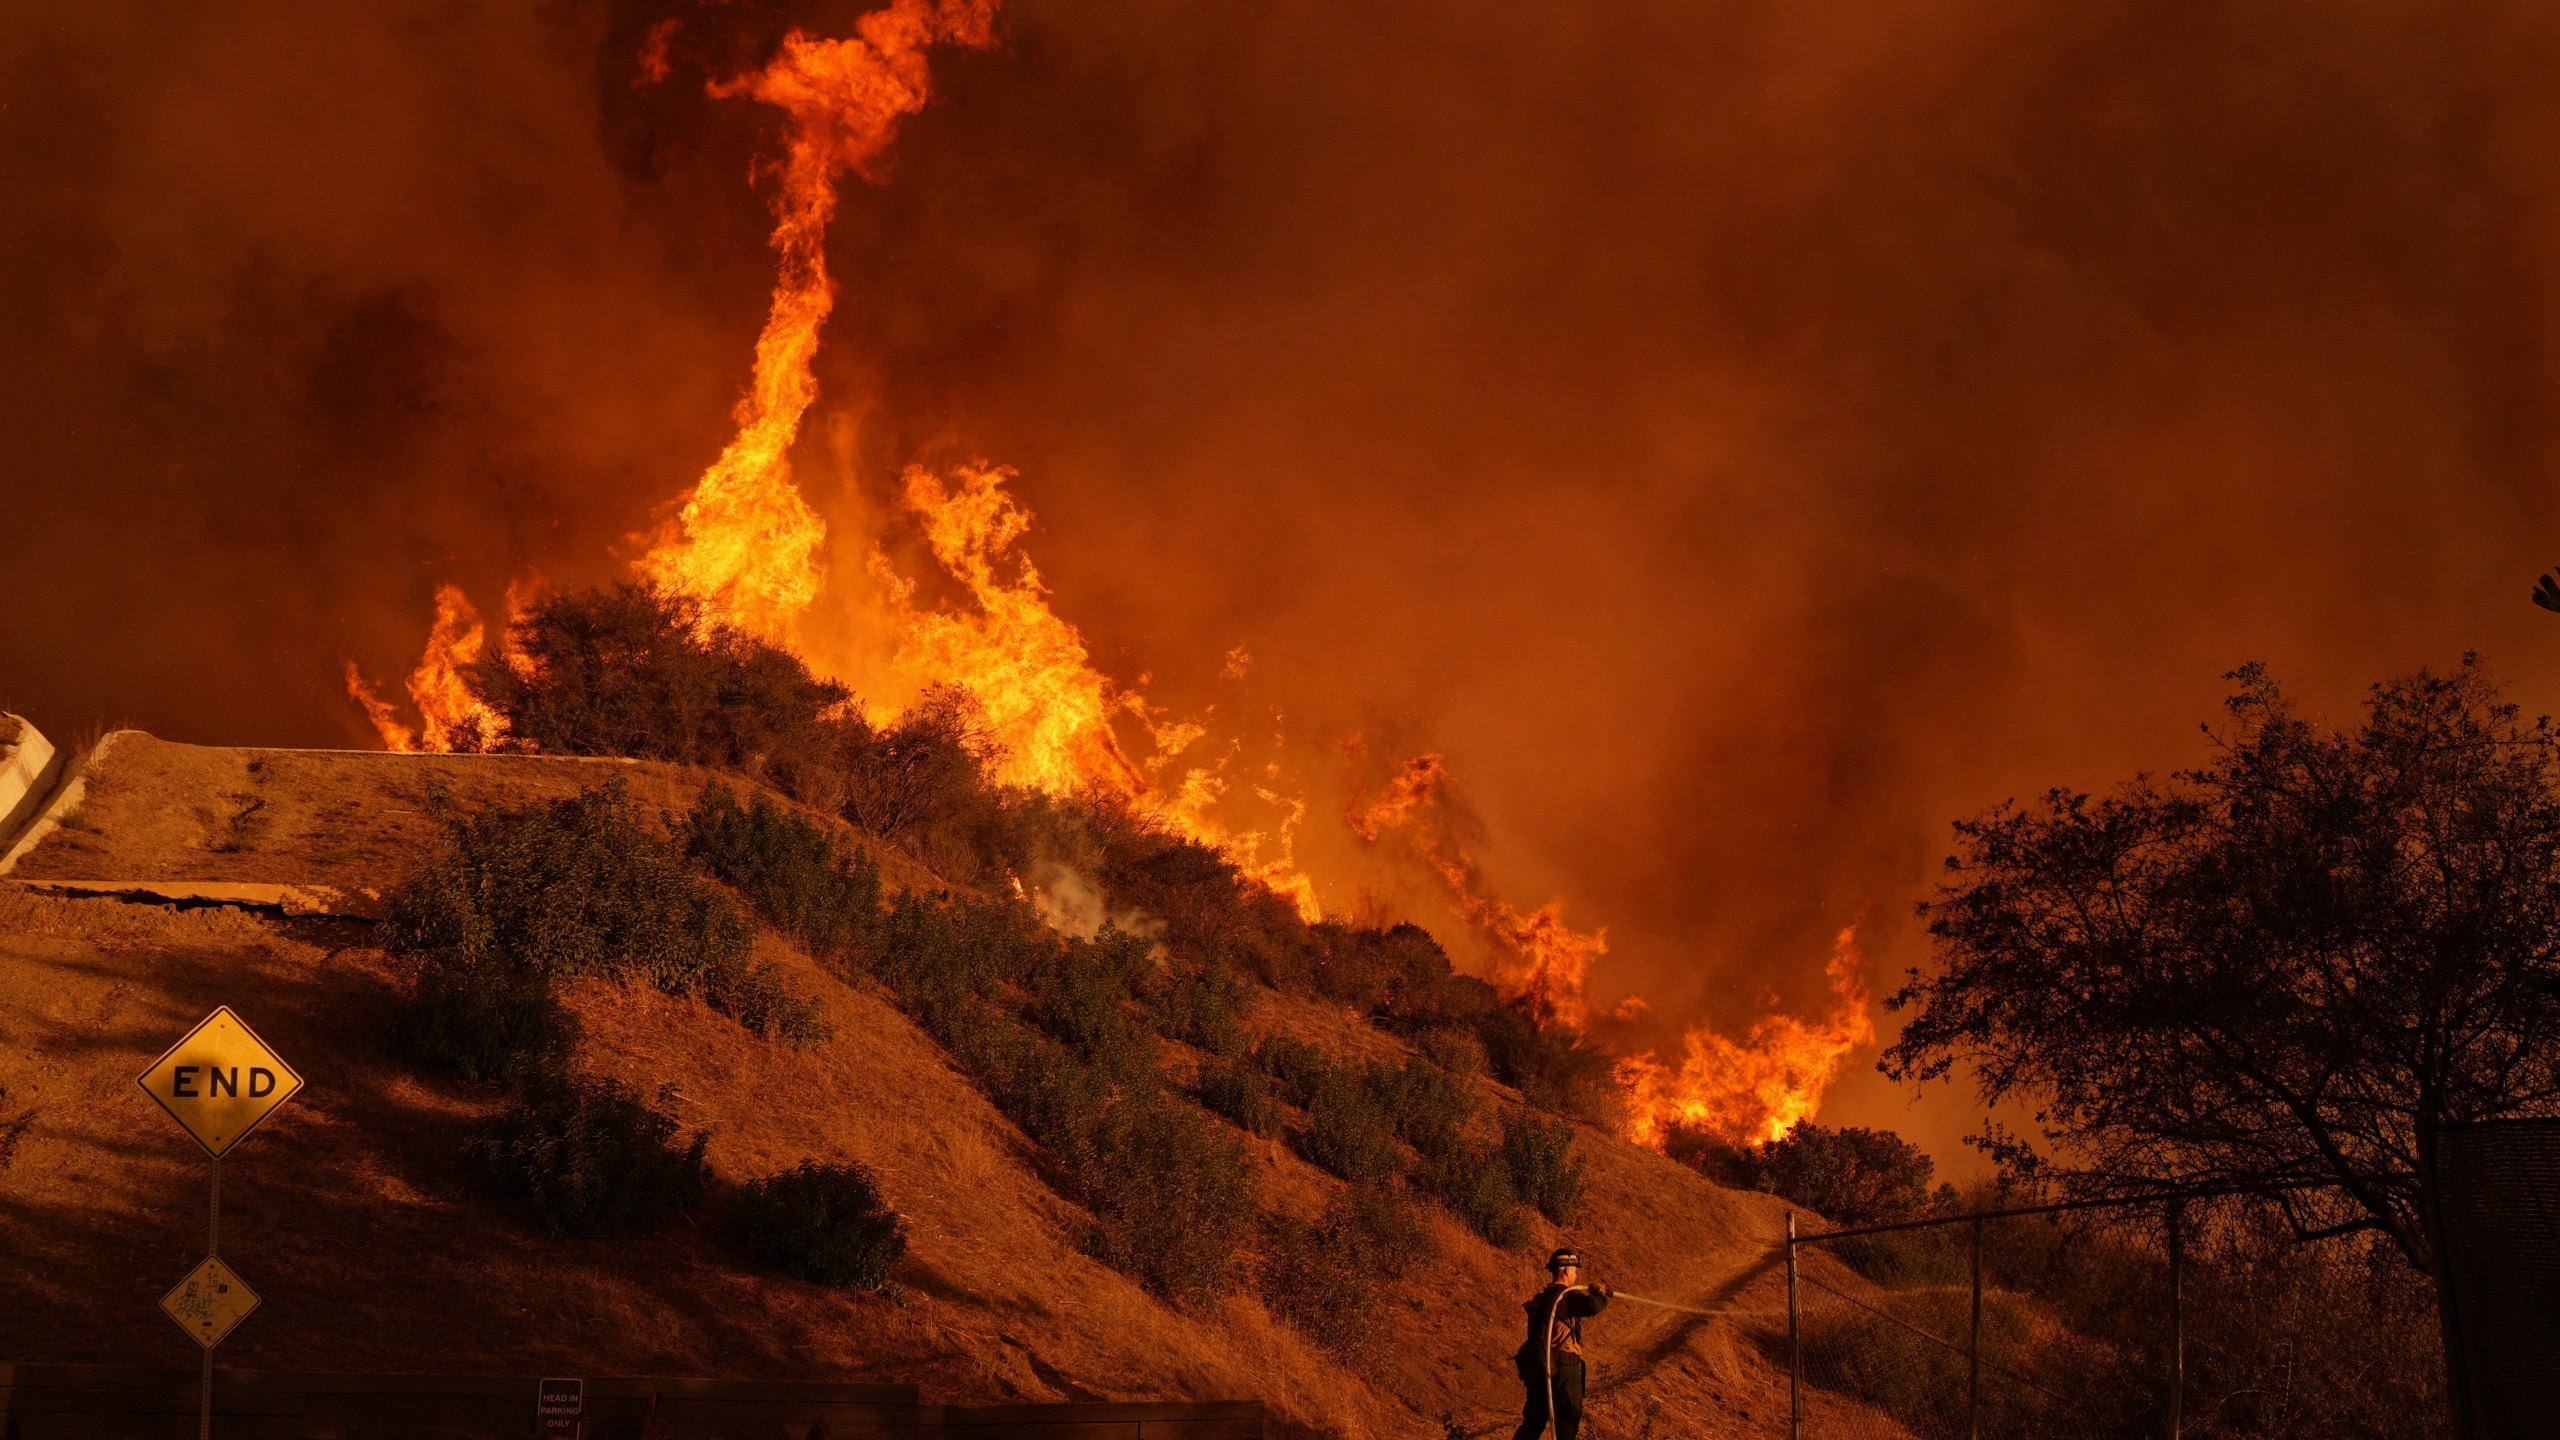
1550,1347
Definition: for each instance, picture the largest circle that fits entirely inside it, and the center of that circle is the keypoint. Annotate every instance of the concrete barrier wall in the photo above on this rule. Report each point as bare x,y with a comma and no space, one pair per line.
103,1402
28,767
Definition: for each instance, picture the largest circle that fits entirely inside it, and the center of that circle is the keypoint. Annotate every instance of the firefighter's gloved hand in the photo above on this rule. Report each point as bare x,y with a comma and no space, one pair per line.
1603,1287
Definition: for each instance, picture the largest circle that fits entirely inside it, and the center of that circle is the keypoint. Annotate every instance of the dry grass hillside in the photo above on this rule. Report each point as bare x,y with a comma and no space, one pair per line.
357,1217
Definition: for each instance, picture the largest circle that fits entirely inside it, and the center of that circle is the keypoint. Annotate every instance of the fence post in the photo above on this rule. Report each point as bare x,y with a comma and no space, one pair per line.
1973,1346
1795,1343
2177,1314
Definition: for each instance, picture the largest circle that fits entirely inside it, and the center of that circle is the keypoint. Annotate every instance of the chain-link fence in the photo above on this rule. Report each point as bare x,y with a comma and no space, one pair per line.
2501,1183
1949,1328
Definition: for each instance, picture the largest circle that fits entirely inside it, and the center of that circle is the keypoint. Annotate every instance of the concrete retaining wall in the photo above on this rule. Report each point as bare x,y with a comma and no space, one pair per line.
28,767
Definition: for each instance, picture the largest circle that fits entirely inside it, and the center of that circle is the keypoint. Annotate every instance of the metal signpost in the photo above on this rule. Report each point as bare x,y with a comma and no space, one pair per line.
217,1082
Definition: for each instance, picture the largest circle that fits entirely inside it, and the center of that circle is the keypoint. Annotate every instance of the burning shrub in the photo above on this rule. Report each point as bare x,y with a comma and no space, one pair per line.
1398,975
1298,1066
1348,1131
1476,1187
798,877
920,783
823,1223
1324,1278
593,1159
1240,1094
634,671
1544,1173
1172,1197
1208,906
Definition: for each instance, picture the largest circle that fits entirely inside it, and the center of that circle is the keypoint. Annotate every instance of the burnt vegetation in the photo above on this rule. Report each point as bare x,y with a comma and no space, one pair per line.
1071,1036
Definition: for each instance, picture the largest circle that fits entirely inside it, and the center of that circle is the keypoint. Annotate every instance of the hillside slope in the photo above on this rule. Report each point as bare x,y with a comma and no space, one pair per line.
357,1217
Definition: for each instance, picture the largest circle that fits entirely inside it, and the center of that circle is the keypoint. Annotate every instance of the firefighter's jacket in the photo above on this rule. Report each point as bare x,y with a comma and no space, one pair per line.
1577,1304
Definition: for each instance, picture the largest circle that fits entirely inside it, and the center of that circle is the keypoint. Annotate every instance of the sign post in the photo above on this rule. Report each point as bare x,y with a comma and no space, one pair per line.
217,1082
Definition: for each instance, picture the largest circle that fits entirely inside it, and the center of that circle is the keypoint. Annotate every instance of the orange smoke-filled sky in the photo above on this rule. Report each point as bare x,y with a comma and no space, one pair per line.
1741,437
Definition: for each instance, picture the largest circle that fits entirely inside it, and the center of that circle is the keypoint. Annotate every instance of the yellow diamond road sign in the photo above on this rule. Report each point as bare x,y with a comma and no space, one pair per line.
220,1081
208,1303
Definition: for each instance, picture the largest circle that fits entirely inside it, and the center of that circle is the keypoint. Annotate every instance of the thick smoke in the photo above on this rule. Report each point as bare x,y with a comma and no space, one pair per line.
1740,437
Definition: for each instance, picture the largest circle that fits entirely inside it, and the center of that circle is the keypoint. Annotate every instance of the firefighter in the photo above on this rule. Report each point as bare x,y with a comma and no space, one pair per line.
1550,1360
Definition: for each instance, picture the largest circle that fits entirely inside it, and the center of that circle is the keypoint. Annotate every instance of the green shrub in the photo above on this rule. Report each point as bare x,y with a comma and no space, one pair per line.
1475,1186
1850,1175
1297,1066
1081,993
593,1159
823,1223
1058,1099
1203,1005
1379,1229
1553,1068
1325,1278
758,998
1423,1102
935,950
487,1020
1544,1172
1348,1131
1240,1094
797,876
581,887
1172,1197
1304,1279
1457,1051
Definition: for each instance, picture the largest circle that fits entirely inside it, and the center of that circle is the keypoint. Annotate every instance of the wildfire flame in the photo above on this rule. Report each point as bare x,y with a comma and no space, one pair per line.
1026,667
746,544
1744,1091
1539,958
1757,1088
749,549
451,715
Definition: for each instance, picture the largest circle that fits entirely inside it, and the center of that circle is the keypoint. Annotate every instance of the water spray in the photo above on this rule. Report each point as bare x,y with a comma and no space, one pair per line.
1688,1309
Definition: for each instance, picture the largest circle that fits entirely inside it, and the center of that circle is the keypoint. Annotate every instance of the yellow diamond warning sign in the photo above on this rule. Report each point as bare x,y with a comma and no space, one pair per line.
208,1303
220,1081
